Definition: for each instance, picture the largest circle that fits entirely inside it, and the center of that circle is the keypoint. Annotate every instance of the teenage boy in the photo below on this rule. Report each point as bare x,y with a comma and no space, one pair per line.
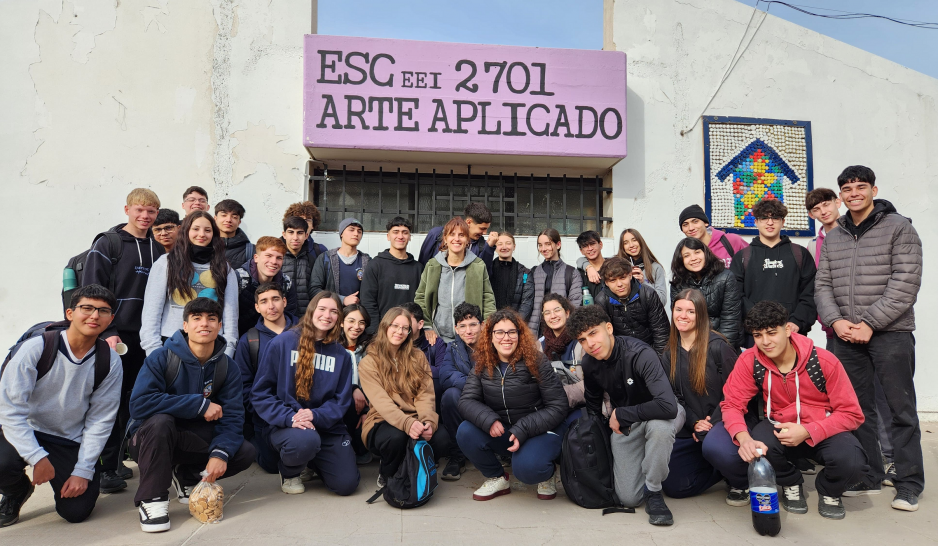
270,302
299,259
341,269
646,416
125,275
59,423
772,268
392,277
634,308
308,211
809,413
228,216
695,223
435,352
187,414
824,206
591,247
194,198
478,218
458,363
868,280
265,266
166,228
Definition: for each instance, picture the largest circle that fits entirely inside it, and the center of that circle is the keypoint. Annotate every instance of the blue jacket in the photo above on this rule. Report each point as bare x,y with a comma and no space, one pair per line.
435,354
184,399
274,392
457,364
431,245
243,358
568,355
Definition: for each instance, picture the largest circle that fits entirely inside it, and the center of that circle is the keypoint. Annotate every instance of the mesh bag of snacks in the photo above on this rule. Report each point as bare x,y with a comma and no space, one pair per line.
207,501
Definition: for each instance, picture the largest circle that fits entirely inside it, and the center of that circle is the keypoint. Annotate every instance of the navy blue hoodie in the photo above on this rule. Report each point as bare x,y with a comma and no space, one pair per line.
243,358
274,392
457,364
187,397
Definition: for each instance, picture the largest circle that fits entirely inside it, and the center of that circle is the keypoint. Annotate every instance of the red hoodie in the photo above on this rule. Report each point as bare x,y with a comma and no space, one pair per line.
823,415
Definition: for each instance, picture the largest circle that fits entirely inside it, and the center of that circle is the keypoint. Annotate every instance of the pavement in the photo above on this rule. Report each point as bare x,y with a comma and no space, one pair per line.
257,512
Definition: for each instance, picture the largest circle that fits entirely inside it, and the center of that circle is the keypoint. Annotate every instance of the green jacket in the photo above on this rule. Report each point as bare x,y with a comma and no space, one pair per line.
478,288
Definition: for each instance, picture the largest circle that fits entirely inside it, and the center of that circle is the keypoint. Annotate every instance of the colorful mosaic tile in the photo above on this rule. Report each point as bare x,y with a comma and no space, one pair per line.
752,159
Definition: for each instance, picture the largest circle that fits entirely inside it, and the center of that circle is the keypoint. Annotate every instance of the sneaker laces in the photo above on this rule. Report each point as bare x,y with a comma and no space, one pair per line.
905,495
155,509
832,501
492,481
793,493
734,491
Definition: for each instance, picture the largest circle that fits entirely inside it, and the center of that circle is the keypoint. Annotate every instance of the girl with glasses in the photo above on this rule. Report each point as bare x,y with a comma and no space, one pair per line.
355,338
514,405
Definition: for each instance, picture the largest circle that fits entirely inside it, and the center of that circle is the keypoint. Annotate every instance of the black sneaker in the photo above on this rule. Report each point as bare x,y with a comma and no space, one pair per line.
905,500
182,491
806,467
657,510
364,458
124,472
10,507
831,507
860,489
111,482
454,468
737,497
794,500
890,479
154,515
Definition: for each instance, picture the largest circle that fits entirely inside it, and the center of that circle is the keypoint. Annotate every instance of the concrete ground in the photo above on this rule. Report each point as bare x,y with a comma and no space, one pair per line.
256,512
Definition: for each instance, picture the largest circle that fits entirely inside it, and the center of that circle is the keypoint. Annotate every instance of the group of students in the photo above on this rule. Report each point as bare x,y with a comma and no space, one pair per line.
312,361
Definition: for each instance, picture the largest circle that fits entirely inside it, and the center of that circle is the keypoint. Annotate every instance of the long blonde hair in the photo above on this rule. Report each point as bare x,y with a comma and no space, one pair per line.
305,362
403,371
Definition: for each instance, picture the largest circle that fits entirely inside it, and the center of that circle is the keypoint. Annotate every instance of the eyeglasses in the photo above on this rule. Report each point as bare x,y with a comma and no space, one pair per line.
166,229
88,310
768,218
200,201
401,329
500,334
464,327
549,312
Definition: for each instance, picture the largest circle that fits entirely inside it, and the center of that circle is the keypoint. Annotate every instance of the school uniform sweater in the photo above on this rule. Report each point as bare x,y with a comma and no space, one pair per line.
274,392
243,358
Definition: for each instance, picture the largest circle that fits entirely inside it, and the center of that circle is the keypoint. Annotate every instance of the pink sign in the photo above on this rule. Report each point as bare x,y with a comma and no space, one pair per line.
404,95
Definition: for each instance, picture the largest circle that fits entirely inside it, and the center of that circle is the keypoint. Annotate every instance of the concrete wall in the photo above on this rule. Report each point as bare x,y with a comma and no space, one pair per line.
102,96
863,110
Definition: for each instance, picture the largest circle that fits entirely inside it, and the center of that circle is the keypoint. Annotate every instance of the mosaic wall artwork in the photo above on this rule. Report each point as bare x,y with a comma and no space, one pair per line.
749,159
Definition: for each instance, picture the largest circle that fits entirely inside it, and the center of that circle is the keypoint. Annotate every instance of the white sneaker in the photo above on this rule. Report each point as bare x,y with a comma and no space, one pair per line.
493,487
308,474
182,491
547,490
154,516
292,486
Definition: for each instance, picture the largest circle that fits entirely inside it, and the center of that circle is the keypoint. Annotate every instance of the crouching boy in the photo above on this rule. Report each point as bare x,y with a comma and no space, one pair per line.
646,415
58,401
811,410
186,415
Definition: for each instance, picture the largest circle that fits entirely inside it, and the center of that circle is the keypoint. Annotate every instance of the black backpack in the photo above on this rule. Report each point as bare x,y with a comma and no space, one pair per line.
413,484
254,347
586,469
813,369
218,378
77,263
51,333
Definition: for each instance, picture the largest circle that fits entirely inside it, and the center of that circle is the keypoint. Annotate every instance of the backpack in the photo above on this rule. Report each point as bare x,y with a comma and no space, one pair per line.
51,333
77,264
586,469
413,484
218,378
795,249
813,369
254,347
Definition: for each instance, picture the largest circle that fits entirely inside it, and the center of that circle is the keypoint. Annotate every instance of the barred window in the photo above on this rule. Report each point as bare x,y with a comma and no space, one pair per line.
523,205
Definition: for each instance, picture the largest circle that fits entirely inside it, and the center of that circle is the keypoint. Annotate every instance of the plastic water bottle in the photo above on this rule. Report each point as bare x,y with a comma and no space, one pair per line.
763,497
69,280
587,297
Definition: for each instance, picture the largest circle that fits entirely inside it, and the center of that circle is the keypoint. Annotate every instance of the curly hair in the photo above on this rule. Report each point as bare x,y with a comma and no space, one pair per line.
585,318
681,276
306,210
305,362
769,207
527,350
766,314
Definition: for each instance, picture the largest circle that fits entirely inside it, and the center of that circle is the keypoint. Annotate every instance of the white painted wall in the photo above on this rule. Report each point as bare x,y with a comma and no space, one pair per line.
863,110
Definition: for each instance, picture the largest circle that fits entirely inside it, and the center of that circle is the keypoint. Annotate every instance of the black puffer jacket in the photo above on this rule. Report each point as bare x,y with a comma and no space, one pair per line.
525,406
724,303
300,269
641,315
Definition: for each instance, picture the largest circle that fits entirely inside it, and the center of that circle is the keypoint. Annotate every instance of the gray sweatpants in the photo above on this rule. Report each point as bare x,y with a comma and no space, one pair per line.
641,459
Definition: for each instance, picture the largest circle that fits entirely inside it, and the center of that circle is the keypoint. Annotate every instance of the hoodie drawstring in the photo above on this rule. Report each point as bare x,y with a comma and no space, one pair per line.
139,254
768,400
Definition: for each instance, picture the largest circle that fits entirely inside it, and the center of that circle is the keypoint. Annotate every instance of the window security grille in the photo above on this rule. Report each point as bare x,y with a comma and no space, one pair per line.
523,205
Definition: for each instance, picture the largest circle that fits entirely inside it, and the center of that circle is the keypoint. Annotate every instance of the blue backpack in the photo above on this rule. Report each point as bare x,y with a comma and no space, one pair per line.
413,483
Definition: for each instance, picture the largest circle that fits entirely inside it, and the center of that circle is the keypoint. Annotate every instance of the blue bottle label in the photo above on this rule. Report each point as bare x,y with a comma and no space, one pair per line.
764,502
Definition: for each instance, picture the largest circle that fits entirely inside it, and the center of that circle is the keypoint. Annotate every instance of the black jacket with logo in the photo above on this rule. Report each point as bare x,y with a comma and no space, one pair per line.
639,314
773,273
388,282
635,381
